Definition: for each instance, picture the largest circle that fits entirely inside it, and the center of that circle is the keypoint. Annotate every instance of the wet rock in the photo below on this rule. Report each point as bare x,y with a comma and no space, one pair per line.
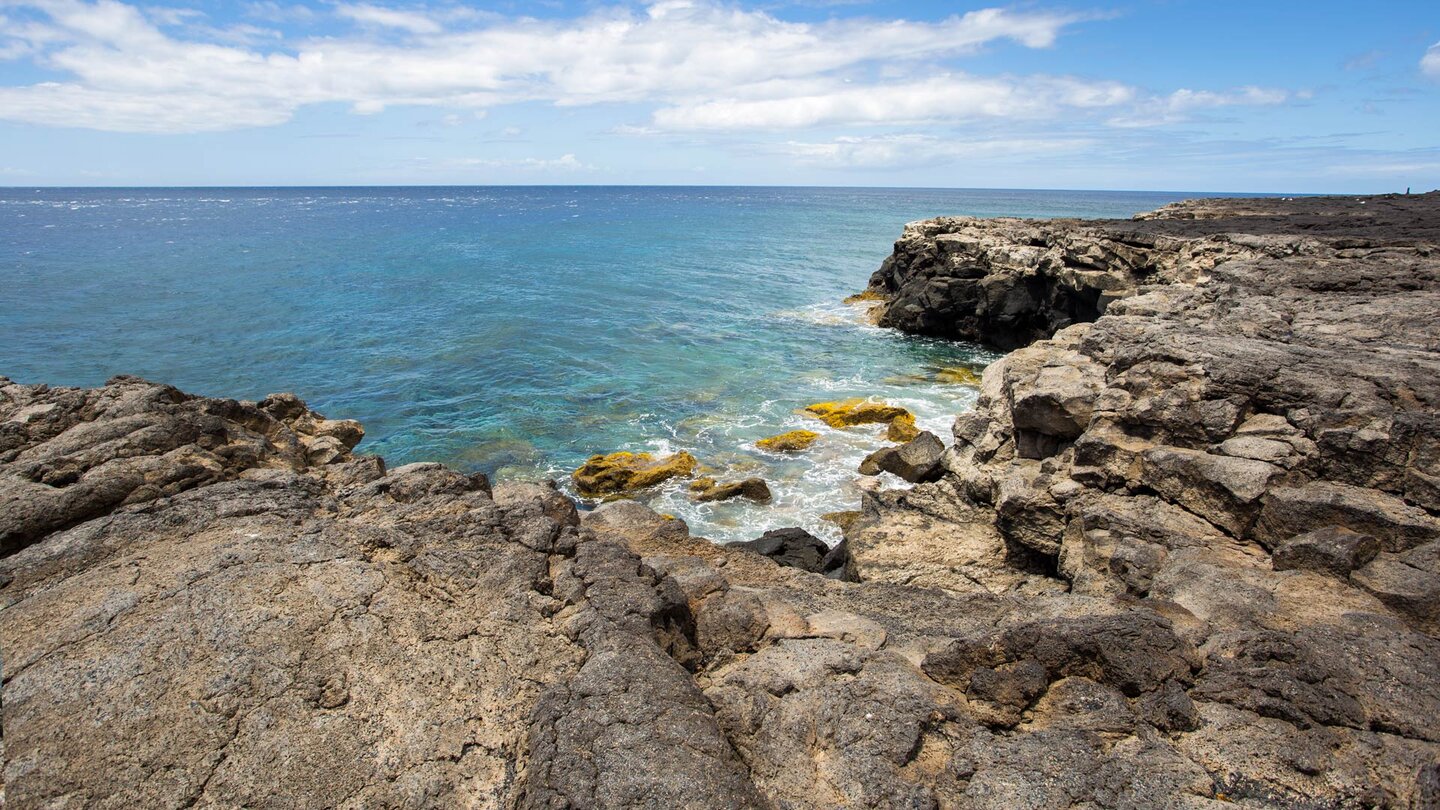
902,428
627,472
850,412
1332,550
916,461
789,442
707,489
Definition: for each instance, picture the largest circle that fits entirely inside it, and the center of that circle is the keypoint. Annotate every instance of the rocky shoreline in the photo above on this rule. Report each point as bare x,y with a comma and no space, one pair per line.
1184,553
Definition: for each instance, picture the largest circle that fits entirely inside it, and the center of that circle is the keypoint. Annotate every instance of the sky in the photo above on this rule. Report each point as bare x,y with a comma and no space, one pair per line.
1175,95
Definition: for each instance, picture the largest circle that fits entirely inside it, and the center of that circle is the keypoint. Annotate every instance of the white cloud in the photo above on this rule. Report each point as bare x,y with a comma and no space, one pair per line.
1430,62
910,150
564,163
701,66
120,63
366,14
1183,102
944,98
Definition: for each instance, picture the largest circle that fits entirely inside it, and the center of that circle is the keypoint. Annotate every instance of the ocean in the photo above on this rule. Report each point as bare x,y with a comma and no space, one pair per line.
509,330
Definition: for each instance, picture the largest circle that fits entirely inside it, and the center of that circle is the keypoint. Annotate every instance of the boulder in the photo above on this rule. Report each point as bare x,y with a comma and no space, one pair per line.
917,461
1333,550
788,442
797,548
618,473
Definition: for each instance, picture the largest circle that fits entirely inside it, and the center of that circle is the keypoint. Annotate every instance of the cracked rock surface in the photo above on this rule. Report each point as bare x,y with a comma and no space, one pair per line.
1184,553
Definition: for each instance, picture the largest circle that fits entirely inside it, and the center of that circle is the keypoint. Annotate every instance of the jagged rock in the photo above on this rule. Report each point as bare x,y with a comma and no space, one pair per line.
916,461
217,619
626,472
788,442
850,412
1331,550
707,489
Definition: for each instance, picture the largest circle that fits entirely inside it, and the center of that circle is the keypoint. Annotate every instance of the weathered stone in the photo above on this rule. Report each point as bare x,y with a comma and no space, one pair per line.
916,461
1332,550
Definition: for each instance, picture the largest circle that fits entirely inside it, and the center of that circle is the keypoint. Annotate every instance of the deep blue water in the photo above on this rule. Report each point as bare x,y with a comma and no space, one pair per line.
513,330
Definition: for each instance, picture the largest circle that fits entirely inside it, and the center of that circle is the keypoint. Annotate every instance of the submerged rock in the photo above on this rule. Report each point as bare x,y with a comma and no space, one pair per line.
958,375
850,412
627,472
788,442
707,489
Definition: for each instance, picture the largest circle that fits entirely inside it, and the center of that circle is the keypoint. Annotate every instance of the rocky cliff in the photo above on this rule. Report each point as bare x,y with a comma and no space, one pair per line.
1184,555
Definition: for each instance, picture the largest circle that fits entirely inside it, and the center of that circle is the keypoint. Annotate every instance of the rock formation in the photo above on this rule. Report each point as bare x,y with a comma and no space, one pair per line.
1184,554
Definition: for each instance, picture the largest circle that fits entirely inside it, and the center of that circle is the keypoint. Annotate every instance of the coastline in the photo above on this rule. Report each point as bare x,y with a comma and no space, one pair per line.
1184,552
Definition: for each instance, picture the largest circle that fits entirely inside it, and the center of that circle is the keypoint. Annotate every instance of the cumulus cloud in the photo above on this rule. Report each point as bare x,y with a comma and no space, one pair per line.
699,65
118,62
1430,62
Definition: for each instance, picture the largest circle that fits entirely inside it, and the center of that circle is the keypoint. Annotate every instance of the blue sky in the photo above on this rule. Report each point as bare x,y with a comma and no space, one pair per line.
1164,94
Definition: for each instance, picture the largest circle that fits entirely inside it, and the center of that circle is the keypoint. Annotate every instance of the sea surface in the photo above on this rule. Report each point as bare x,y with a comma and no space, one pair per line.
510,330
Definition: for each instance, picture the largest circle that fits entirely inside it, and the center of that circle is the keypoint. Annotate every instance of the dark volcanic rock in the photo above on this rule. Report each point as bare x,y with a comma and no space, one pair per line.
216,603
794,547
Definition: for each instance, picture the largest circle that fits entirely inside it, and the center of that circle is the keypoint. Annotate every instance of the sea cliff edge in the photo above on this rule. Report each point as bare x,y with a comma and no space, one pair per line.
1185,552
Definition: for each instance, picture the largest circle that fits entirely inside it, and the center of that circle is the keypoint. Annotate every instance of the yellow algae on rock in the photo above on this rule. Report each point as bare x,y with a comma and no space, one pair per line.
626,472
701,484
958,375
902,428
868,295
788,442
854,412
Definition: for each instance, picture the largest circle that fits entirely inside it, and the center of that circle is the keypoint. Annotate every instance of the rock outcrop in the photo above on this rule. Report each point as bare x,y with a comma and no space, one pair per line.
1228,425
1185,555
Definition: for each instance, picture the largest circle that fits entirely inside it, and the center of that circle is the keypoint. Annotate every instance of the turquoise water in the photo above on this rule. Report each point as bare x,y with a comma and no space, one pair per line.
514,330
